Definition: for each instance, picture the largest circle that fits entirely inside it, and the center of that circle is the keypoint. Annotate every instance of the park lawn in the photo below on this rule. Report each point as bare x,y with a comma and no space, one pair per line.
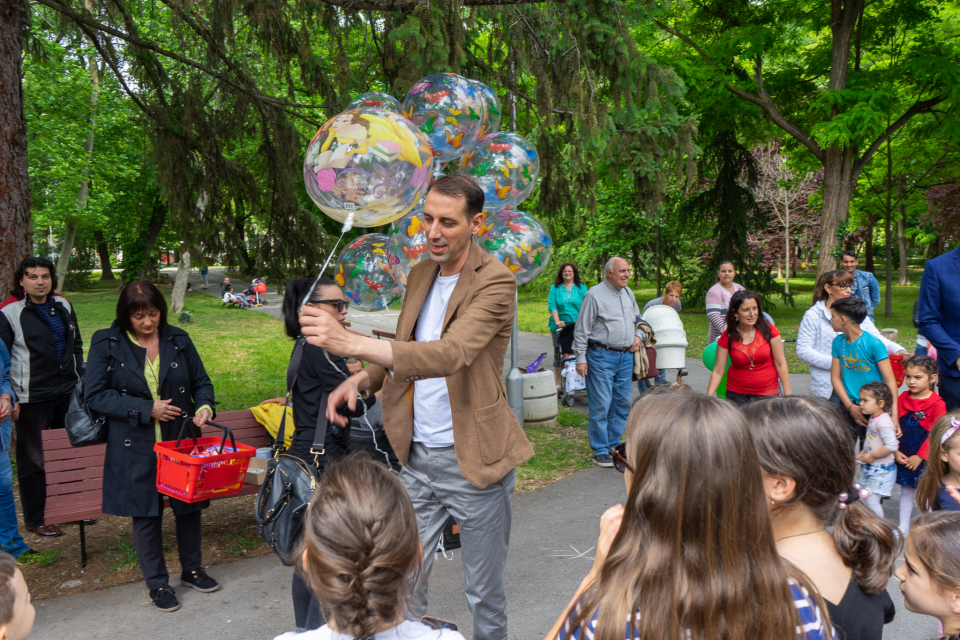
532,315
246,354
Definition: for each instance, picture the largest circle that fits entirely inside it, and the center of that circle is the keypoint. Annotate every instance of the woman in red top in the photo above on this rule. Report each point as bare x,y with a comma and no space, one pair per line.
757,361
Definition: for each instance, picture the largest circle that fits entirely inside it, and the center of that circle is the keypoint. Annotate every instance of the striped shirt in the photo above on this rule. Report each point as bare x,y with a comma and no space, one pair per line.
718,301
811,627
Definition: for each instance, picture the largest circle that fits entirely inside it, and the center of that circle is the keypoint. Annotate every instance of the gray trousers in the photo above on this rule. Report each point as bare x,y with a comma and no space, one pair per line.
436,486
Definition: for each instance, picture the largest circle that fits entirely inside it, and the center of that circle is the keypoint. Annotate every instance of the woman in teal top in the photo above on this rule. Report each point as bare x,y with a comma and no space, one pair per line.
563,303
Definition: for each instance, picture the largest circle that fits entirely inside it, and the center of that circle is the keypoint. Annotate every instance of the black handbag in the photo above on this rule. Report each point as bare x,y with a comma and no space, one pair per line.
82,427
290,482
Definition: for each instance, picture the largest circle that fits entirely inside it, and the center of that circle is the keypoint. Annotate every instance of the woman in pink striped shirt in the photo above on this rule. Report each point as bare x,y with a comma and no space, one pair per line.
718,299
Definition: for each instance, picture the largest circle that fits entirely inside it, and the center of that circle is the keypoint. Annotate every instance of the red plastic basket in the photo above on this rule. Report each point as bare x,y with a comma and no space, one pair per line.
896,363
192,479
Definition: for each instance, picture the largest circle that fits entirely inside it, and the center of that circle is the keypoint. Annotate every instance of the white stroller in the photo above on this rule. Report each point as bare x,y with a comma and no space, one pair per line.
572,381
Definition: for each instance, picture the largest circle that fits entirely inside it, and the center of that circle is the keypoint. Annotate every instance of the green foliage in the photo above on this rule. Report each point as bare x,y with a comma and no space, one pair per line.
43,558
120,556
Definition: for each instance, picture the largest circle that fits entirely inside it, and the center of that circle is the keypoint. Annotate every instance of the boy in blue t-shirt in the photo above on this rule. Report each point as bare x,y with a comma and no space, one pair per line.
858,358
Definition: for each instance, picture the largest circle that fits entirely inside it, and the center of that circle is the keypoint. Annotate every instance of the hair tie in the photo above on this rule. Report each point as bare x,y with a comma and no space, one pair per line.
859,493
954,425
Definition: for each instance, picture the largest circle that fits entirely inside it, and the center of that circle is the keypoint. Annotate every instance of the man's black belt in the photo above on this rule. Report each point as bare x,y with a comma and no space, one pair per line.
593,343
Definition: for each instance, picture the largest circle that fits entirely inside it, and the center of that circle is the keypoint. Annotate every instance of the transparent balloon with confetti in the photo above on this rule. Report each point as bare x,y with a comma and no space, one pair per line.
448,110
377,99
368,163
363,272
490,103
506,167
408,244
517,239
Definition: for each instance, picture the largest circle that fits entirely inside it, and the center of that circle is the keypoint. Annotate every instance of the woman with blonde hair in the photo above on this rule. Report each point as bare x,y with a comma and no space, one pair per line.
692,553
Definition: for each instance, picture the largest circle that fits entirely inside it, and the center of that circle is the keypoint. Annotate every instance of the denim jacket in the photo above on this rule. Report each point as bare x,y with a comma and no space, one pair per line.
5,387
866,287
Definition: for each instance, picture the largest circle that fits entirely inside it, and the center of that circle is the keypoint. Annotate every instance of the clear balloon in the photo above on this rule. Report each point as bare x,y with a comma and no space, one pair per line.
505,166
408,244
376,99
363,272
518,240
491,108
369,162
448,110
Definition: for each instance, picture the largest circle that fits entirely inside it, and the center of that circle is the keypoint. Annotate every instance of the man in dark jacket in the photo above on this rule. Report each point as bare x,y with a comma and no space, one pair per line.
39,329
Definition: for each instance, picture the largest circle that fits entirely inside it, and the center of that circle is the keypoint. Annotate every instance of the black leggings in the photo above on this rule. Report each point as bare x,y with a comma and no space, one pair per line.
741,399
306,609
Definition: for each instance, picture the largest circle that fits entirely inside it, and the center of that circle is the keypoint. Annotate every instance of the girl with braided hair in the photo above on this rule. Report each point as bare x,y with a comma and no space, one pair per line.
361,555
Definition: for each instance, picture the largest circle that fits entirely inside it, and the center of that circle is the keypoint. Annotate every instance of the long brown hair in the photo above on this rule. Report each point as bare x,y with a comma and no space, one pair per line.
695,555
733,325
936,469
804,439
935,541
361,550
832,278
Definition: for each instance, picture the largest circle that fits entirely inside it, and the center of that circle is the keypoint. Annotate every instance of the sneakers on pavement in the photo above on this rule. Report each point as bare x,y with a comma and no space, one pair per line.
199,580
165,598
603,460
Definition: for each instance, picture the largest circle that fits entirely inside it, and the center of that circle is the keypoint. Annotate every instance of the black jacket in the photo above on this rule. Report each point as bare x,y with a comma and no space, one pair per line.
115,387
37,374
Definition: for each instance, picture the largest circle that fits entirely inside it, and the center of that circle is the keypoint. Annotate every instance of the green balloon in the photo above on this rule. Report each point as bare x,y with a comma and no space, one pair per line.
710,361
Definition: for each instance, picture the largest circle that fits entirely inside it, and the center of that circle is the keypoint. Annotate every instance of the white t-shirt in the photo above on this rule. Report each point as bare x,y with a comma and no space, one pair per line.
432,417
409,630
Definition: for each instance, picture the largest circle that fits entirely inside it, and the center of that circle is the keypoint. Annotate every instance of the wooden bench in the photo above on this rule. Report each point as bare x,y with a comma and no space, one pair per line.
384,334
75,474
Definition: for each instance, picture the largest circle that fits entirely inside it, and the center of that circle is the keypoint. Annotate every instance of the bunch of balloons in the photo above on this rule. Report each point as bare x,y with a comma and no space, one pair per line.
371,165
363,272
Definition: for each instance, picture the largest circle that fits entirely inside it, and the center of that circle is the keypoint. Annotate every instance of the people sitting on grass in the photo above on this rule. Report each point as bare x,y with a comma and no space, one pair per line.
228,296
361,555
661,568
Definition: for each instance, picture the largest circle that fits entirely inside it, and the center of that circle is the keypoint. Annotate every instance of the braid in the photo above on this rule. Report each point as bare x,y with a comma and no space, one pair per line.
361,546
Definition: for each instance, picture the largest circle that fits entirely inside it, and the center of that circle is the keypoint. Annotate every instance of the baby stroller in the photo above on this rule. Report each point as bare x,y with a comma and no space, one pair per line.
572,381
252,295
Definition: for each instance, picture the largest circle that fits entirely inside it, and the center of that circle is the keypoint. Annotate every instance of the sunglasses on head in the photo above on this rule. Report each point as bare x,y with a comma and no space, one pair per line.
340,304
619,454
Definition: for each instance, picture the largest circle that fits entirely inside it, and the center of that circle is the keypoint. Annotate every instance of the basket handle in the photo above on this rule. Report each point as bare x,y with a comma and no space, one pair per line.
183,425
226,432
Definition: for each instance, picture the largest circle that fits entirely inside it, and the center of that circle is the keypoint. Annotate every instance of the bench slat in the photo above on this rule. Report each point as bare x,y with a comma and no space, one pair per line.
74,463
74,475
71,488
75,452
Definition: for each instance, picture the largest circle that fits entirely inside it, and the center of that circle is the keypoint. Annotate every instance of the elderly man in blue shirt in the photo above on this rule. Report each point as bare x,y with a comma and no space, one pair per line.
865,285
605,340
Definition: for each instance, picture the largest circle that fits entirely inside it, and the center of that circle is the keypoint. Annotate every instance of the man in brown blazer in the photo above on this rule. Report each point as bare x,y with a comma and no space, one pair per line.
445,409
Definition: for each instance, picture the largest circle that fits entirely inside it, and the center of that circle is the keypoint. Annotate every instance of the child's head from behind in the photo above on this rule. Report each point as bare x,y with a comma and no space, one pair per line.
943,457
16,611
875,398
806,454
930,574
920,373
361,549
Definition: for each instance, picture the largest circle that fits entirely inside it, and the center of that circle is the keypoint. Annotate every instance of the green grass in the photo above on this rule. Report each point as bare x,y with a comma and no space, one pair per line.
245,352
43,558
532,314
120,556
557,452
238,544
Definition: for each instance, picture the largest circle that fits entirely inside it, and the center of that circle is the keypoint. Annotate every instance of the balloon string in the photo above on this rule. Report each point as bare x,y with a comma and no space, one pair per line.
347,225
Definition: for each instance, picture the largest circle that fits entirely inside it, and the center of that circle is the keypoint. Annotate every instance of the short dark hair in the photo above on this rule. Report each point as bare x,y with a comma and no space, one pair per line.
880,392
293,296
576,274
8,597
458,186
849,254
33,263
852,308
925,363
137,296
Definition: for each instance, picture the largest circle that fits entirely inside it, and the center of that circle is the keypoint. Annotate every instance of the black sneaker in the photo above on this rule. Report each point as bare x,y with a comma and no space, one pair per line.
603,460
165,598
199,580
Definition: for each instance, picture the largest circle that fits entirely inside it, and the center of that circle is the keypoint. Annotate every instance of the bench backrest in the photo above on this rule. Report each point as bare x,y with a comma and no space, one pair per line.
75,474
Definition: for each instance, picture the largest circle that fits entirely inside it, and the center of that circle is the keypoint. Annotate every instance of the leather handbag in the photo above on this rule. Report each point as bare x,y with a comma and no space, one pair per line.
290,481
82,427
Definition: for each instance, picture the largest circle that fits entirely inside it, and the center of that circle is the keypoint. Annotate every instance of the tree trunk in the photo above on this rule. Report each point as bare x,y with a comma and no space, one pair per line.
868,247
63,265
888,309
904,279
837,192
106,272
144,252
180,284
15,232
786,239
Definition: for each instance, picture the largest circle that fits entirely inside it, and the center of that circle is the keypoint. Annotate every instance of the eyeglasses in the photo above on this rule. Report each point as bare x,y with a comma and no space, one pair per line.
842,286
619,454
340,304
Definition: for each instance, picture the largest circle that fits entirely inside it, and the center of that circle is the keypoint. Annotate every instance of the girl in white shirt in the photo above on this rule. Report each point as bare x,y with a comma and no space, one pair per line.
360,555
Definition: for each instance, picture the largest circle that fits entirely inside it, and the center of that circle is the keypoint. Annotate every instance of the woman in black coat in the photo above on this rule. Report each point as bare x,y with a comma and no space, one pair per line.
146,378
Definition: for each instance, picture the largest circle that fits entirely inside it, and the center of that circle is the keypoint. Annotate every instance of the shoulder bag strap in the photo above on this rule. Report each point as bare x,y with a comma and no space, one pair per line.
292,370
